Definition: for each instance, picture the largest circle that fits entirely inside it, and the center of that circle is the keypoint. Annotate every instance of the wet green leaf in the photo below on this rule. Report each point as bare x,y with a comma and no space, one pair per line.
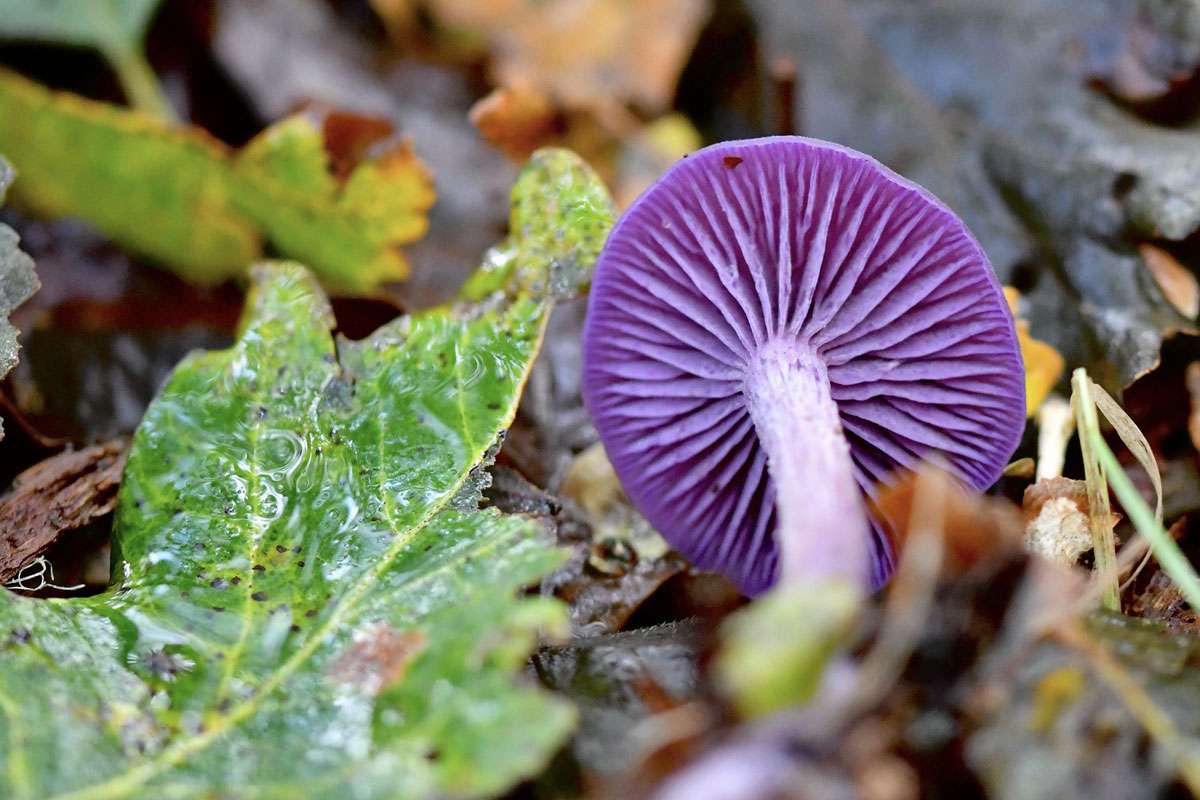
562,232
113,27
17,283
182,198
308,602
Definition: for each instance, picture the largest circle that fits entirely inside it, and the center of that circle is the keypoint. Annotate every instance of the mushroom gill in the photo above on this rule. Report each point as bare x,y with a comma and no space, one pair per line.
776,327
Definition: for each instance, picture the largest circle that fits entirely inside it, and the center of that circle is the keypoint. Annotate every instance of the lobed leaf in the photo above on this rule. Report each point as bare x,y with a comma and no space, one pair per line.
308,601
182,198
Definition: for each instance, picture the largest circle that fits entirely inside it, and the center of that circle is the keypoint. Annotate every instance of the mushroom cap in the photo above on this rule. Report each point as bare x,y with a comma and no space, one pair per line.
786,237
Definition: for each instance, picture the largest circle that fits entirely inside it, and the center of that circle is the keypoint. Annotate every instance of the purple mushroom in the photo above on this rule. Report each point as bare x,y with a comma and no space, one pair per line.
776,327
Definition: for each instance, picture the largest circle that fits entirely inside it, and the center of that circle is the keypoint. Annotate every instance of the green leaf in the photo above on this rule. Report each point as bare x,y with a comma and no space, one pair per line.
17,283
774,652
561,232
308,601
182,198
114,27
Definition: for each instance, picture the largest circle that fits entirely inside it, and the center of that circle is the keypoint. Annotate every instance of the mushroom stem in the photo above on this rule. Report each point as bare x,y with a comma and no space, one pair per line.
822,529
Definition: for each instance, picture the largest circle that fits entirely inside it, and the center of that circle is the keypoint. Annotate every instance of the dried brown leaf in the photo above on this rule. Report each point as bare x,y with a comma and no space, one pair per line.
973,527
1056,519
584,53
516,119
1176,281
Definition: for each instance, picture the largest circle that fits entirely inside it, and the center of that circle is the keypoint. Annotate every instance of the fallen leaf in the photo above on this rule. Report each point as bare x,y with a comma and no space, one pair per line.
1056,519
973,528
584,53
17,283
282,500
61,494
516,119
282,54
183,199
1177,282
585,74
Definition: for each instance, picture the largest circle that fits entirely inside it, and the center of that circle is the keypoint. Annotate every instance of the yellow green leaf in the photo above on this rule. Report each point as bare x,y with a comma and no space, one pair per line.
181,198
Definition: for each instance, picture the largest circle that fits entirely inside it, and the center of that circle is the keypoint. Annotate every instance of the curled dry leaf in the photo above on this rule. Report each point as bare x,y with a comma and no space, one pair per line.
339,192
519,119
61,494
568,72
1056,519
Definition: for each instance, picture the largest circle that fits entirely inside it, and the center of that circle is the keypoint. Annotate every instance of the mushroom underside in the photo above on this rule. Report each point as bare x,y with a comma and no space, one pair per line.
768,341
